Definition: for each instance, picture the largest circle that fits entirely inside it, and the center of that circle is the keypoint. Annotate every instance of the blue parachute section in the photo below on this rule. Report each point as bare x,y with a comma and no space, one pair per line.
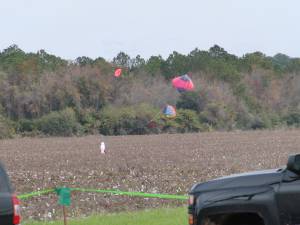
169,111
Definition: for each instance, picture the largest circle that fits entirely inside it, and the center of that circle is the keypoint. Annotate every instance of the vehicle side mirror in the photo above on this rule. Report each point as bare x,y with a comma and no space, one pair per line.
294,163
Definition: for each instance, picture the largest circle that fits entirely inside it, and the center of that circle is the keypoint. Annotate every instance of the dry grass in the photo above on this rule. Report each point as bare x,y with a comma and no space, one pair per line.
156,164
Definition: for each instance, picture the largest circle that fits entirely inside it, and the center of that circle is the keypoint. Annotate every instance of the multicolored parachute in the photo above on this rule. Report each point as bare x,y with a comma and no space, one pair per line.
183,83
169,111
118,72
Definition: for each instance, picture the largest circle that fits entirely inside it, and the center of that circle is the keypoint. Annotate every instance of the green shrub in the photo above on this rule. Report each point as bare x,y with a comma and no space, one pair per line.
6,128
292,119
275,120
188,121
218,116
169,125
244,120
89,120
127,120
191,100
252,104
60,123
26,125
261,122
136,120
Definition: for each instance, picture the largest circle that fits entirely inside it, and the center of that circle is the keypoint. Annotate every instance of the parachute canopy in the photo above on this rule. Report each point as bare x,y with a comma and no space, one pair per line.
183,83
118,72
169,111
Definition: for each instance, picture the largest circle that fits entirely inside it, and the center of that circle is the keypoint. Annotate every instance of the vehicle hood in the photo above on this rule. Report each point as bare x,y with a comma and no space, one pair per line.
257,178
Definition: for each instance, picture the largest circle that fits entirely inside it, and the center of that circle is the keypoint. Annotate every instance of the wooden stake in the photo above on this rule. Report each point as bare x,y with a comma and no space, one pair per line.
65,215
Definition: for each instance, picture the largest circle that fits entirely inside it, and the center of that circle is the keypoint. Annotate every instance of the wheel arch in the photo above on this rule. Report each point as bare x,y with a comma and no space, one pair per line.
234,218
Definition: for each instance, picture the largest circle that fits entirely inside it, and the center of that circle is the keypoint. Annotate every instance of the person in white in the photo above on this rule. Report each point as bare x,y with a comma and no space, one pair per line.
102,147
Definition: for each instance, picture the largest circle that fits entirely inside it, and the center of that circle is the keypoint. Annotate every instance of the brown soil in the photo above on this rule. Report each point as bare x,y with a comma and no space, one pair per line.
156,164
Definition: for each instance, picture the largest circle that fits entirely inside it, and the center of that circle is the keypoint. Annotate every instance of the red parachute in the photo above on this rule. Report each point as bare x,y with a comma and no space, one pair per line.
183,83
118,72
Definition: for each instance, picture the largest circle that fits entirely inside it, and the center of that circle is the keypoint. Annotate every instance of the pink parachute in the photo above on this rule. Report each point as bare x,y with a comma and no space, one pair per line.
183,83
118,72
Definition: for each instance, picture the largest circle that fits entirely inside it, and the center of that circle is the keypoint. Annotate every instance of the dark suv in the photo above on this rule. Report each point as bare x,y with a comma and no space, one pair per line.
270,197
9,203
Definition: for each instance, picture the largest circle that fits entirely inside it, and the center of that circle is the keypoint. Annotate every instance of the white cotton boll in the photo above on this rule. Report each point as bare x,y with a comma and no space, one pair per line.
102,147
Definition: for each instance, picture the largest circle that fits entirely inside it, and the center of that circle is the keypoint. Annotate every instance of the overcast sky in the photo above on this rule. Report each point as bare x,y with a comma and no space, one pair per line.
72,28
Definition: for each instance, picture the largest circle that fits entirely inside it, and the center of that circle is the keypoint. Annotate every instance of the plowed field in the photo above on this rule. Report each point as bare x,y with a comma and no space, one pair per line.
156,164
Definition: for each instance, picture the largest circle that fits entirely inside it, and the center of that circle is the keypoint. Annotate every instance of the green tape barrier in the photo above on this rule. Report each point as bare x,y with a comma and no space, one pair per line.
133,194
36,193
115,192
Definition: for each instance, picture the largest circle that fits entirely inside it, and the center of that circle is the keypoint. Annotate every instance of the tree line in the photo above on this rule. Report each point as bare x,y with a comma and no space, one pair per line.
42,94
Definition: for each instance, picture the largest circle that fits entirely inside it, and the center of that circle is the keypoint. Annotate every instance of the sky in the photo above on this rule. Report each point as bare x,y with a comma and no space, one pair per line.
103,28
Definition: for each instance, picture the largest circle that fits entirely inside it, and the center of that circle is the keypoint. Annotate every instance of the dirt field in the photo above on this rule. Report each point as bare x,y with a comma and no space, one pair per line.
156,164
